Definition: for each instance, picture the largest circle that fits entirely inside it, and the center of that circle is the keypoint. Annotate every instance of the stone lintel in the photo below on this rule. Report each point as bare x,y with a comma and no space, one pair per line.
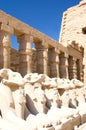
6,28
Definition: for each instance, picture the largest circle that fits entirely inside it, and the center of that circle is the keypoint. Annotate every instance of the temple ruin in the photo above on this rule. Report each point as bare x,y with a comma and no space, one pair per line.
43,83
56,59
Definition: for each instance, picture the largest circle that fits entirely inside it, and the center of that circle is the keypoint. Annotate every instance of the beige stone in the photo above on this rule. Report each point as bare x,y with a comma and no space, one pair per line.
48,57
12,79
19,101
44,84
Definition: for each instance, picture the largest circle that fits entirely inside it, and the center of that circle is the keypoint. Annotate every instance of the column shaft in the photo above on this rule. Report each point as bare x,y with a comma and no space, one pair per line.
80,73
54,62
63,65
42,58
5,46
45,57
42,61
25,54
72,67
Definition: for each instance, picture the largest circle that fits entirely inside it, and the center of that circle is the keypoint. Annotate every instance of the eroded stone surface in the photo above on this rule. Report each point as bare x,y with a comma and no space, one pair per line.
45,102
48,90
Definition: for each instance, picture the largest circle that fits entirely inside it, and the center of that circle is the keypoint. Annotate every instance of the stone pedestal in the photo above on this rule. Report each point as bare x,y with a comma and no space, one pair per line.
25,54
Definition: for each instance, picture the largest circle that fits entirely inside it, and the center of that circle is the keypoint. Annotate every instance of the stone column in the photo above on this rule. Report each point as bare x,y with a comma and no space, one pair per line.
80,68
54,62
72,67
63,65
82,73
45,57
5,47
25,54
42,57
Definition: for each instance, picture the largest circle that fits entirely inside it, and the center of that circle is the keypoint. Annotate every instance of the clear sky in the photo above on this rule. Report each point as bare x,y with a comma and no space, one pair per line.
44,15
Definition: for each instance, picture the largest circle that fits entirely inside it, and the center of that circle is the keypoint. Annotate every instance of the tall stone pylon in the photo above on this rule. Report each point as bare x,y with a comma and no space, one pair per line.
73,28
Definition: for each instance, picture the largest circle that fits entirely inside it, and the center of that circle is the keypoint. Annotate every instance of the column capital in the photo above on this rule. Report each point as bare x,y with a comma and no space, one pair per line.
42,45
74,59
57,50
25,38
66,55
5,39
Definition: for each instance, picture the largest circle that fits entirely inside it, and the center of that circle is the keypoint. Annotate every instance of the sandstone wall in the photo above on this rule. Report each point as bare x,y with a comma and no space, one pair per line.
73,28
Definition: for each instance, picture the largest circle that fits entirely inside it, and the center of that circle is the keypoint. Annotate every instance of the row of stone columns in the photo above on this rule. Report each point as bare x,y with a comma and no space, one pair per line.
50,60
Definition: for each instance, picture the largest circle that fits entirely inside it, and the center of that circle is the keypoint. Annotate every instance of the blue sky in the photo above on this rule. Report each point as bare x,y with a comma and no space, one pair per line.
44,15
